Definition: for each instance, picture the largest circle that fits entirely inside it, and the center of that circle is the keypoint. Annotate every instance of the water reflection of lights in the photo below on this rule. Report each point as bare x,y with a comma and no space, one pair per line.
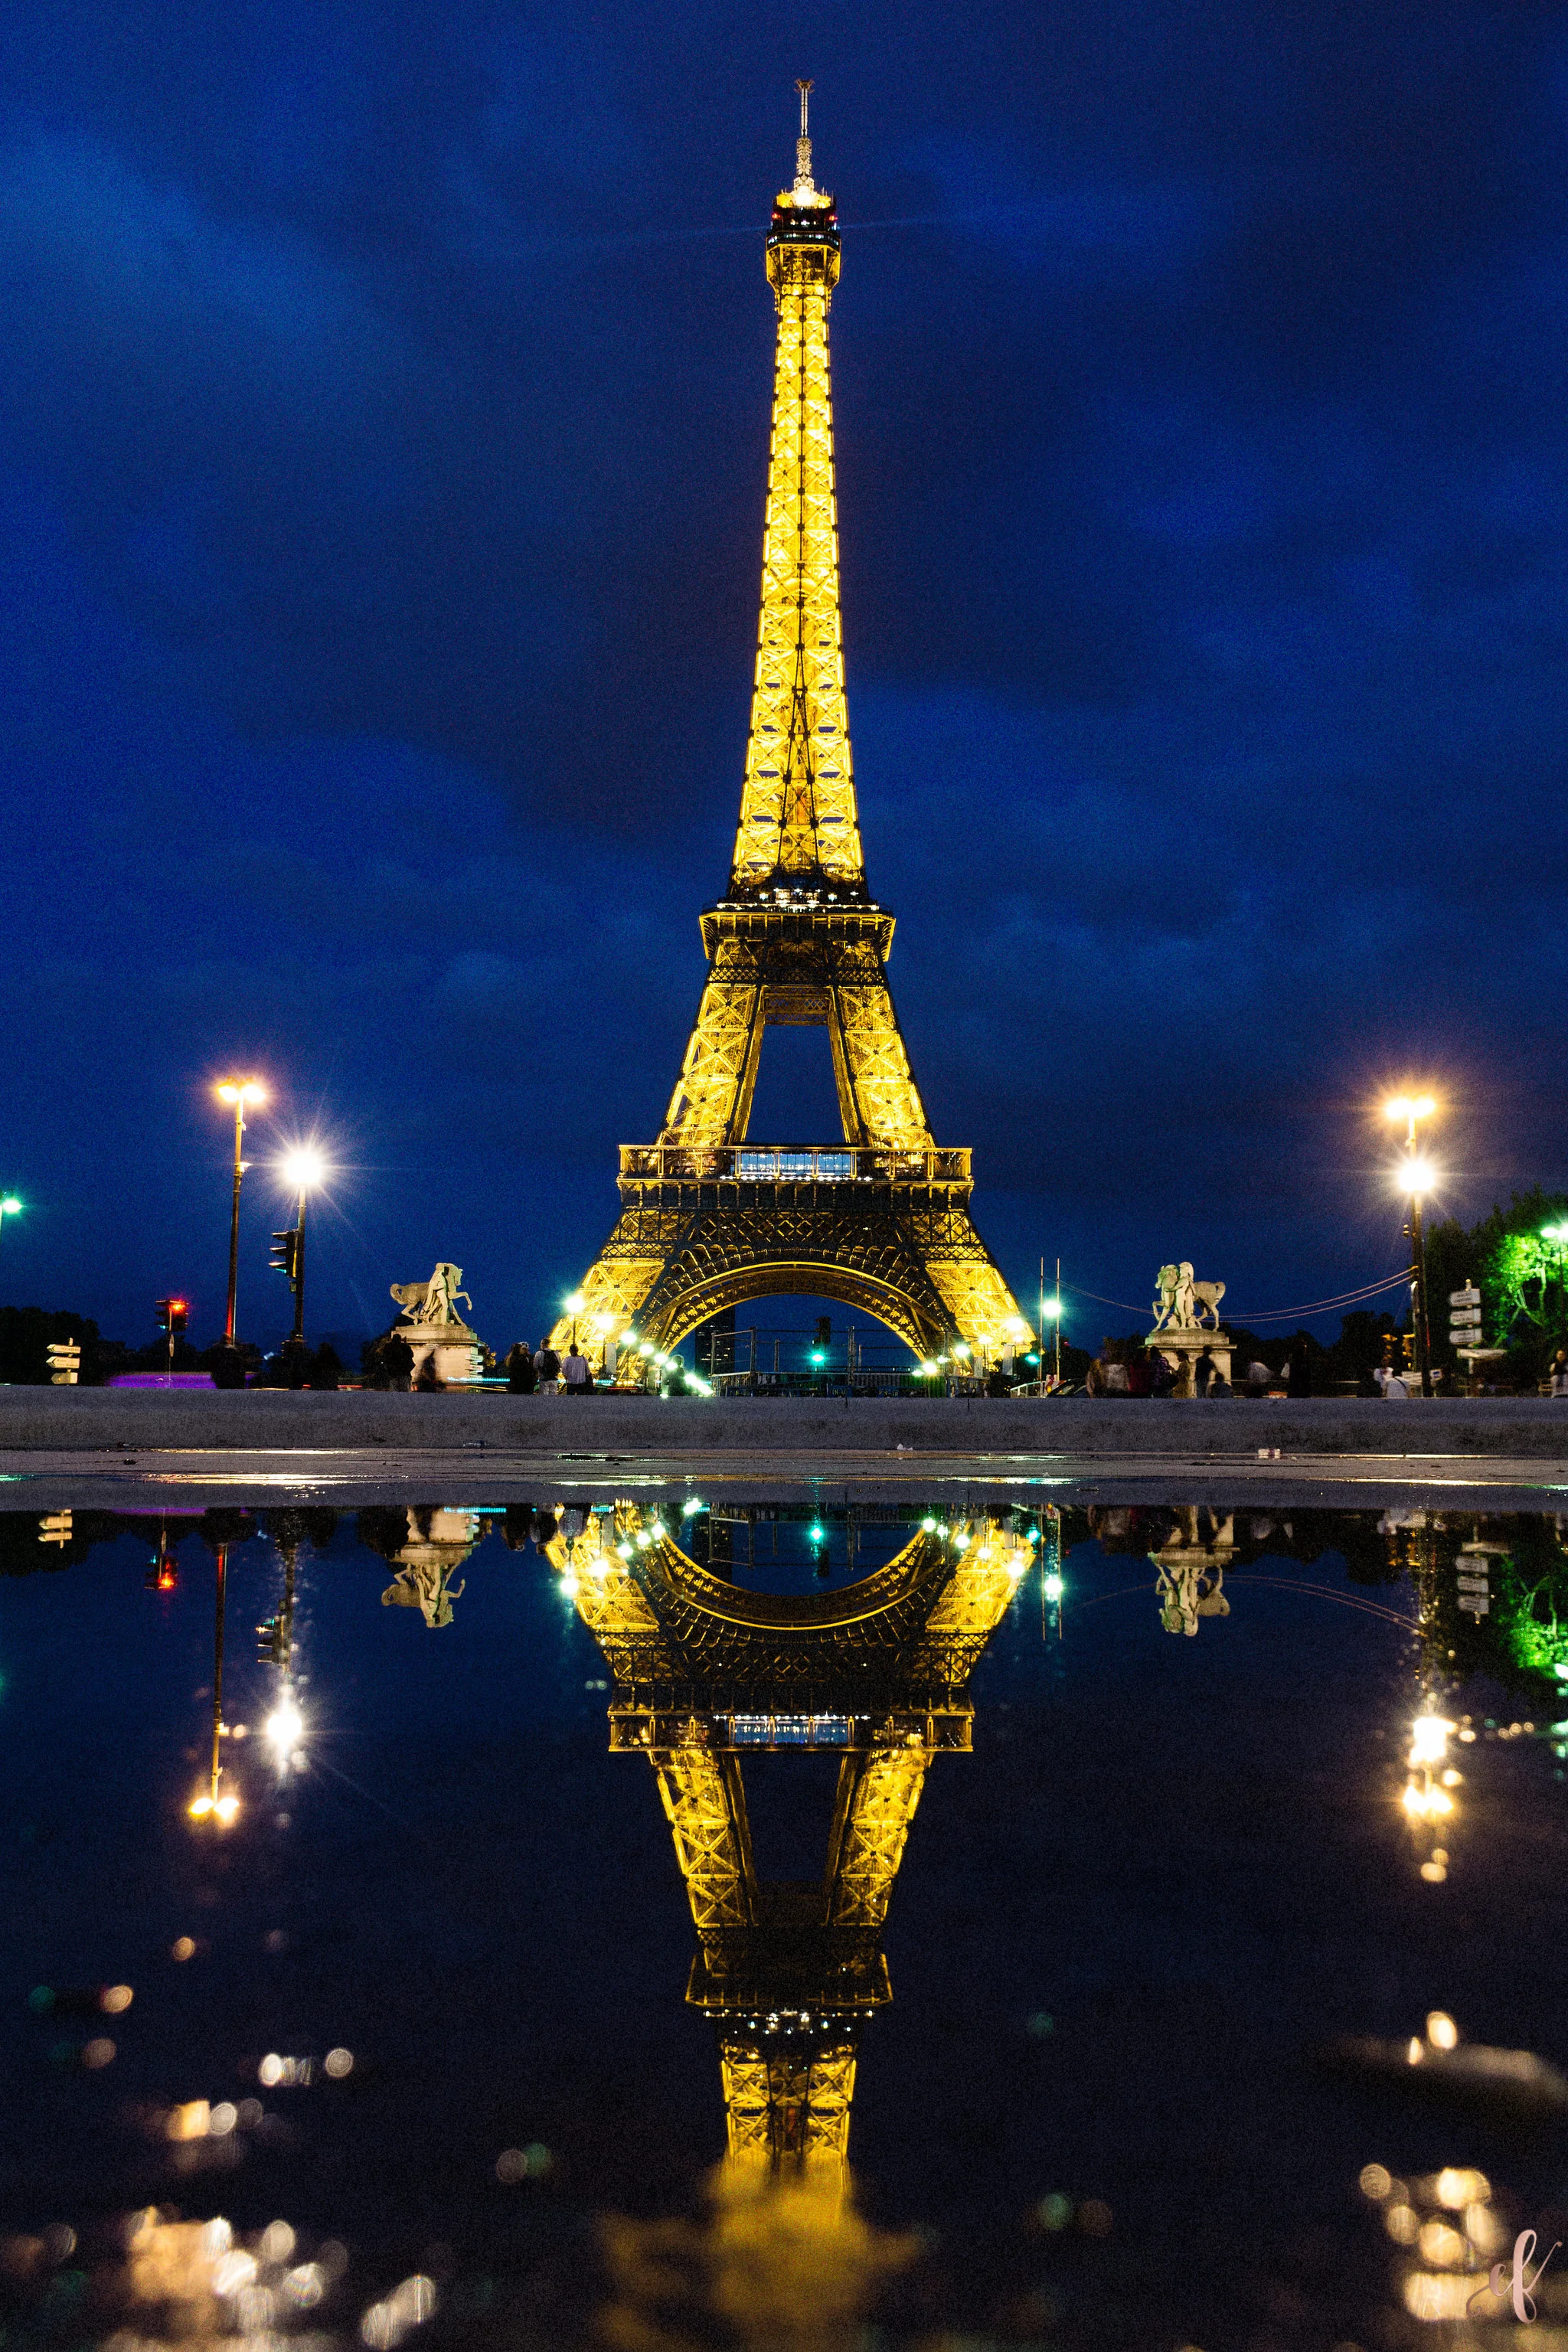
215,1802
1429,1740
1446,2220
1427,1797
181,2267
285,1727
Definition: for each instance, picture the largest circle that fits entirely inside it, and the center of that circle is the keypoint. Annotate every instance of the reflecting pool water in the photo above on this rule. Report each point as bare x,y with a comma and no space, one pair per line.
811,1916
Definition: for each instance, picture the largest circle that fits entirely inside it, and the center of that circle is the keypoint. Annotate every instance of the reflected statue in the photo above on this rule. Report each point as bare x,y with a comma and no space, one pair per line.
426,1588
705,1671
436,1543
1191,1567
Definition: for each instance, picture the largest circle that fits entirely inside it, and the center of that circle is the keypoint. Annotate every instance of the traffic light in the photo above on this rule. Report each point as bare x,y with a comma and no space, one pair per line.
64,1359
173,1315
285,1258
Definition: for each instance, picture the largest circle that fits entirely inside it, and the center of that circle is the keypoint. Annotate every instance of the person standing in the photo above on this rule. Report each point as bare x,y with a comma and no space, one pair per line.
577,1378
1299,1372
1259,1376
1203,1373
520,1377
547,1369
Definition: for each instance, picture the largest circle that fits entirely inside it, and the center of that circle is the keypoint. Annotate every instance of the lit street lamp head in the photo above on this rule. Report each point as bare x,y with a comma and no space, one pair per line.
241,1091
303,1170
10,1206
1410,1106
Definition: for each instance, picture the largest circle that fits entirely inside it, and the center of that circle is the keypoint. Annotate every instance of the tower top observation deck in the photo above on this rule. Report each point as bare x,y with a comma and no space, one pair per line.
803,235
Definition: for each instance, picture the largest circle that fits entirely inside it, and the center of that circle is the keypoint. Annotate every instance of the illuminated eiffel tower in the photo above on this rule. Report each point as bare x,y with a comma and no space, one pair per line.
708,1219
706,1672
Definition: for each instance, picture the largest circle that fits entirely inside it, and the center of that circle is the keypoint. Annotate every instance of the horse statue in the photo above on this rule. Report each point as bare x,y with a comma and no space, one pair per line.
427,1585
435,1301
1182,1301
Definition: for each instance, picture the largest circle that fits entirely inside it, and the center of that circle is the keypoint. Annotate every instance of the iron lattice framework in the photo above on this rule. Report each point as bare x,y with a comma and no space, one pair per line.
704,1669
707,1221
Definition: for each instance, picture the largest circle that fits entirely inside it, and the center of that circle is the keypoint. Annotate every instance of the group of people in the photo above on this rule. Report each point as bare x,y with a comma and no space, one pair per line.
542,1373
1137,1370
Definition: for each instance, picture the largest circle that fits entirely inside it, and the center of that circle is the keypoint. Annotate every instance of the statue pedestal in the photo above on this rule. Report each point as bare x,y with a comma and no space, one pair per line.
1183,1345
454,1347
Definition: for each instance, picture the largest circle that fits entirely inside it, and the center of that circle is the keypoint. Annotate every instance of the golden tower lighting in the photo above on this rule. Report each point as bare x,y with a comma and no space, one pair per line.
709,1219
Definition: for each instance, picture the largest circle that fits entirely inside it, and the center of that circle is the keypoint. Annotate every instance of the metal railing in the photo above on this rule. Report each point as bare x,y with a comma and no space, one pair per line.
788,1163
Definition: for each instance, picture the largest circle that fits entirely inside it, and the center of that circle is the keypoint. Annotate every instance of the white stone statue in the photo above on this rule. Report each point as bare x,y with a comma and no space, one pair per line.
435,1301
1182,1301
425,1585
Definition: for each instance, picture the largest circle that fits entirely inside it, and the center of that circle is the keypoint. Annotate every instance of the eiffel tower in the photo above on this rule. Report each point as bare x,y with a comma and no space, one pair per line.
708,1218
706,1672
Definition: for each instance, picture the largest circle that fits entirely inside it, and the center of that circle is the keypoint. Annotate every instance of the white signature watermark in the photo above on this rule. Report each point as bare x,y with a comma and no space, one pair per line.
1515,2285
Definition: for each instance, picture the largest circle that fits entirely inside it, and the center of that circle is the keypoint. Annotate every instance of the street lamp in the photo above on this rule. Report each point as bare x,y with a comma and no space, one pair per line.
573,1305
9,1207
1418,1177
238,1091
302,1171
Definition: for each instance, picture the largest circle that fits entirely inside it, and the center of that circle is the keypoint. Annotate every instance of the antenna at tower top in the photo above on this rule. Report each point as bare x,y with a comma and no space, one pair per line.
805,191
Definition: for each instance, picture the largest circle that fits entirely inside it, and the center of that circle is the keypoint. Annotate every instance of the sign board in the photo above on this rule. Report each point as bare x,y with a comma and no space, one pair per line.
1470,1298
1466,1315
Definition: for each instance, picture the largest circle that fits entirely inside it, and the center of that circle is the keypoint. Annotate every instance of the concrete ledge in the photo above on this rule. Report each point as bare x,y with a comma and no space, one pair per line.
135,1420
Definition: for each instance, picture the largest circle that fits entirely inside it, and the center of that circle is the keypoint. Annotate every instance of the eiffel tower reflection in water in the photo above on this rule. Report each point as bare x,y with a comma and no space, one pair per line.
706,1673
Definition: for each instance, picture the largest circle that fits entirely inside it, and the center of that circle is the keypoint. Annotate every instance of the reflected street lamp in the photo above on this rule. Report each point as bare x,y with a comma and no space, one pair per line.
1418,1177
215,1802
238,1091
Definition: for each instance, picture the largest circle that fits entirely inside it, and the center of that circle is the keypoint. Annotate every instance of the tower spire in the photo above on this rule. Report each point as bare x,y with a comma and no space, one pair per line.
804,187
798,827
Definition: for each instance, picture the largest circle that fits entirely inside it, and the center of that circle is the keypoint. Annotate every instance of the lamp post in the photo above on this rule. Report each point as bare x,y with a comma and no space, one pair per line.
9,1207
1417,1177
238,1091
302,1171
215,1802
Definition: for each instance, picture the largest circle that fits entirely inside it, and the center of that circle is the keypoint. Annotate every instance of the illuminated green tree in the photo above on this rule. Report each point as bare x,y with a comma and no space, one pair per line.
1528,1276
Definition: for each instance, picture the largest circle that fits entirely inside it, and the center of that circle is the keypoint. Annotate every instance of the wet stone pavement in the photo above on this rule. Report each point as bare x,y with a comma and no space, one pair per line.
816,1919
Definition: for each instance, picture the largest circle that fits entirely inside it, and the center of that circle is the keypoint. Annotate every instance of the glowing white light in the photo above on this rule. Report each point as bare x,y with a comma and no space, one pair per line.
1429,1738
284,1726
302,1171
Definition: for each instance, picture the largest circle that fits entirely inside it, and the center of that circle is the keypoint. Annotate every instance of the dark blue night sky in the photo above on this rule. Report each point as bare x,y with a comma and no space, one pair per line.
385,395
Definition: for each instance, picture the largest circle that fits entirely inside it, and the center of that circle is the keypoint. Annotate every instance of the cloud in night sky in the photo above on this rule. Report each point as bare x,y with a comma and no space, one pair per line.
385,404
